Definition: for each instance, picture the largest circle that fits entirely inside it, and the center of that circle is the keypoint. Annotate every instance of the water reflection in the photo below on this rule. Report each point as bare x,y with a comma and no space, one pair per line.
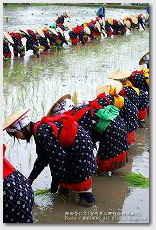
14,17
83,68
110,194
116,202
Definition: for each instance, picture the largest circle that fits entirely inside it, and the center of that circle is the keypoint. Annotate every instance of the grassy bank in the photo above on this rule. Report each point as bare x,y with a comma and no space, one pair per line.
117,5
108,6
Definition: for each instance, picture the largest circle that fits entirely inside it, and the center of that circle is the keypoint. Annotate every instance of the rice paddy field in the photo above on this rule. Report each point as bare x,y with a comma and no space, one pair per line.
35,83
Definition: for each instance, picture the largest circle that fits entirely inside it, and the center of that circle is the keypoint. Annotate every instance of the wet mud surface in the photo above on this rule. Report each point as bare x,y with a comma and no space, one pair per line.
116,201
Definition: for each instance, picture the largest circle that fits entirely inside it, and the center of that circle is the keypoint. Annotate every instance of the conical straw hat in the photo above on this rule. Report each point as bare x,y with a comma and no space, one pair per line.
40,32
50,112
134,20
14,117
128,24
8,37
68,14
74,98
110,20
122,22
46,28
23,30
119,74
68,25
60,30
87,30
104,88
98,26
142,60
116,84
103,22
53,31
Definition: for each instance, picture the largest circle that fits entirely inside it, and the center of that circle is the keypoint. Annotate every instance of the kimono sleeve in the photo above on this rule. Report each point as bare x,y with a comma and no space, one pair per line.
49,152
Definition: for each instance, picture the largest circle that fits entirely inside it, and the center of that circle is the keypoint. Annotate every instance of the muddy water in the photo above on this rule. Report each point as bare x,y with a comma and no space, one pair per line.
116,202
36,83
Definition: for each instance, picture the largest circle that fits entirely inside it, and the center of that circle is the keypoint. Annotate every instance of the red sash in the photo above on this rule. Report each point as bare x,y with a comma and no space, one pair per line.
7,166
109,165
68,131
77,115
81,186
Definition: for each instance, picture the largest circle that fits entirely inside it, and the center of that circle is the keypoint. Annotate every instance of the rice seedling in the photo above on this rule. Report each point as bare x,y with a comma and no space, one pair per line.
136,180
43,106
34,109
42,191
47,192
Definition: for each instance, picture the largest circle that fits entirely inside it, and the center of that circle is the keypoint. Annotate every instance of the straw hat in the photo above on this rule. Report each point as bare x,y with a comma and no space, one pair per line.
50,112
40,32
121,21
116,84
74,98
14,117
87,30
66,14
68,25
20,32
8,37
105,88
98,26
119,74
134,20
23,30
128,24
46,28
53,31
58,29
142,60
110,20
85,23
103,22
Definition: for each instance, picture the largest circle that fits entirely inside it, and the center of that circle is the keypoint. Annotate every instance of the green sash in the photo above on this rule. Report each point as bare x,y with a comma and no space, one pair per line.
106,115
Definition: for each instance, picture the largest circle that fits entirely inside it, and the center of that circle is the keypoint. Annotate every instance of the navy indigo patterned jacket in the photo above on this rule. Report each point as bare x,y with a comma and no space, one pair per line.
70,165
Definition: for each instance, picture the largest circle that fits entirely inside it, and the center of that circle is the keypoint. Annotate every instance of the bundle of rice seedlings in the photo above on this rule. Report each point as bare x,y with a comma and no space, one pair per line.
46,192
136,180
41,191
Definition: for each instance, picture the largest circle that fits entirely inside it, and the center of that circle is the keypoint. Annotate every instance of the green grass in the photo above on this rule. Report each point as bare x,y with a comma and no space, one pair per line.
110,5
136,180
46,192
41,192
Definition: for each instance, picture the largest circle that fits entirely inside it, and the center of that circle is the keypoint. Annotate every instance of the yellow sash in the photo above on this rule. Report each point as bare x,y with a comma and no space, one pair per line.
129,84
146,74
118,100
